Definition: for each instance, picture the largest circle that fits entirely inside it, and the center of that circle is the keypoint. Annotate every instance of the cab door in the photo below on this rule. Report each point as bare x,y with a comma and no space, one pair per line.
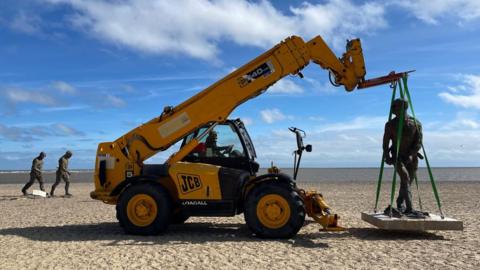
228,149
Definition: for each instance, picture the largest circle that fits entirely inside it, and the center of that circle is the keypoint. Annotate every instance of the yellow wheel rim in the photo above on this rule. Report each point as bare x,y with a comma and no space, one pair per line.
142,210
273,211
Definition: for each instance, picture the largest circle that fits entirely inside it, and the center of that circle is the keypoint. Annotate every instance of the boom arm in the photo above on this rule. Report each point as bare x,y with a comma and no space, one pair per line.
216,102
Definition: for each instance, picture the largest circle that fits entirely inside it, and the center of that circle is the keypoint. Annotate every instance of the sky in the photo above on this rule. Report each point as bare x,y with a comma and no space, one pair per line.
74,73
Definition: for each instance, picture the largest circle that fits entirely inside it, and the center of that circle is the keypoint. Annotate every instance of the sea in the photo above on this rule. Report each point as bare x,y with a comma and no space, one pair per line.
314,175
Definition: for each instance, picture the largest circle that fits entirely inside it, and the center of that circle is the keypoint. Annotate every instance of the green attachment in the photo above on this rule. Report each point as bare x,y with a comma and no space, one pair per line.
404,92
382,164
430,174
397,147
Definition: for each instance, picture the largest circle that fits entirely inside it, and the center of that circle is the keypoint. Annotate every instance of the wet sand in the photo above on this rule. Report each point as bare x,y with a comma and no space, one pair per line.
80,233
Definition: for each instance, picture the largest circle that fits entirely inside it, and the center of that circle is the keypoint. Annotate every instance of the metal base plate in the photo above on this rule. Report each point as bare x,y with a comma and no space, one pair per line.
433,222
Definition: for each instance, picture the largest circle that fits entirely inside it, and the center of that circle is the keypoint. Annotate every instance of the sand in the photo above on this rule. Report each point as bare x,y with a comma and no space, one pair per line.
80,233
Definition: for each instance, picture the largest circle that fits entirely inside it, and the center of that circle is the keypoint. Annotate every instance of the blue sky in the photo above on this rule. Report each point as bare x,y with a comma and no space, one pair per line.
75,73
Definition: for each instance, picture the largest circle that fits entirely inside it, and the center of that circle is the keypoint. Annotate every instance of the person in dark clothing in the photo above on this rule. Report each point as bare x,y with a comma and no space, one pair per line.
62,174
35,173
410,144
212,149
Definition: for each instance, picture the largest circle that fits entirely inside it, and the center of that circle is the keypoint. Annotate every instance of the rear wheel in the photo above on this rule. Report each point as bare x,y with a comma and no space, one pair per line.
274,211
144,209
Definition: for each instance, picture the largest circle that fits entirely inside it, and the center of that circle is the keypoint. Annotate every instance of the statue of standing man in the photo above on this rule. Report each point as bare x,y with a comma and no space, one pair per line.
410,144
35,173
62,174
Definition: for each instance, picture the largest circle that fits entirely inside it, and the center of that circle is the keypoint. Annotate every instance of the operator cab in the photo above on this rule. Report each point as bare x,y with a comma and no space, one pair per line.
227,144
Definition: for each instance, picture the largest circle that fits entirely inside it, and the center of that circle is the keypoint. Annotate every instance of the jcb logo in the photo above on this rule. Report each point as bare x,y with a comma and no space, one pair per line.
189,183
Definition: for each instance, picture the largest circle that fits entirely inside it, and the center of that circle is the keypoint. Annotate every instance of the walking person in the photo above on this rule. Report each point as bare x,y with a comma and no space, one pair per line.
35,173
62,173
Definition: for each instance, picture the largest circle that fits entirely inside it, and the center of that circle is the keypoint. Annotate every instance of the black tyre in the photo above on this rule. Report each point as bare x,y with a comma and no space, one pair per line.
179,217
118,218
274,211
144,209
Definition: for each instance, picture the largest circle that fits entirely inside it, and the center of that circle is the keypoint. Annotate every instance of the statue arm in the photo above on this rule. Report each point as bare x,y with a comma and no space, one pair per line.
418,139
64,166
36,166
386,140
387,137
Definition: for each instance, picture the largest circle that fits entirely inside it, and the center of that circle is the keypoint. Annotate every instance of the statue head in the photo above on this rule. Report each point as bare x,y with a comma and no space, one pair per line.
42,155
399,105
68,154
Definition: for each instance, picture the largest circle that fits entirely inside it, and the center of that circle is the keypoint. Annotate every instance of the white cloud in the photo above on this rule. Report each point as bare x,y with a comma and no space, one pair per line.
115,101
65,108
154,26
26,23
14,133
15,95
316,118
66,130
64,87
247,121
321,87
466,95
360,122
127,88
463,121
273,115
36,132
337,20
430,11
451,144
285,86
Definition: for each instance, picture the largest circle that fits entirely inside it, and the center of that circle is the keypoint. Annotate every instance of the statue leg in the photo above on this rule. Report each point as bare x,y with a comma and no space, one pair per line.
412,168
40,181
29,183
66,178
57,181
404,187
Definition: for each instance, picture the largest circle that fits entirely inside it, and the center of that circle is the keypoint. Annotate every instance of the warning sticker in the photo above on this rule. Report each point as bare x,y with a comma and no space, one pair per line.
173,125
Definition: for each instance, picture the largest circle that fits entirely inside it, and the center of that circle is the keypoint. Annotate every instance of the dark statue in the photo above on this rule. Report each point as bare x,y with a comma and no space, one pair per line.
410,144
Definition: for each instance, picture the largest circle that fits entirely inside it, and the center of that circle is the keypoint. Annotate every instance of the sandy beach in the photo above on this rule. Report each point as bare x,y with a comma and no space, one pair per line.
80,233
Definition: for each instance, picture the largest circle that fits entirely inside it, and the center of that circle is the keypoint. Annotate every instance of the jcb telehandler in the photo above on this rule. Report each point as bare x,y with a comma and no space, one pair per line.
214,172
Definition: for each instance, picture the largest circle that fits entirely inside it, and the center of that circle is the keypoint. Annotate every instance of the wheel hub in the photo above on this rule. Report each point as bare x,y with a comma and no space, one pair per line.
142,210
273,211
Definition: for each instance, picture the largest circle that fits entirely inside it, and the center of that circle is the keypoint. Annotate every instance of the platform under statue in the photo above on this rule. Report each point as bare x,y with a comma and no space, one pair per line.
402,142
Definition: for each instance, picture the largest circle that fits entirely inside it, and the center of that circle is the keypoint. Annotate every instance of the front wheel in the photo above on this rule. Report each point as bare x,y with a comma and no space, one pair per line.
144,209
274,211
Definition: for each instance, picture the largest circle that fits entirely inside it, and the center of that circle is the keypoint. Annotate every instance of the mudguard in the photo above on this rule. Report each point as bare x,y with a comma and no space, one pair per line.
134,180
274,177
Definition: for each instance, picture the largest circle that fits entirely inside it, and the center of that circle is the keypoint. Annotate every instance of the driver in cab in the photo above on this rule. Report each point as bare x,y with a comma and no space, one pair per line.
212,149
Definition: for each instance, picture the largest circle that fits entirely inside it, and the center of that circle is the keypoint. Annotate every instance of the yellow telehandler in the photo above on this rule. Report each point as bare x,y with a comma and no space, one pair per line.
214,172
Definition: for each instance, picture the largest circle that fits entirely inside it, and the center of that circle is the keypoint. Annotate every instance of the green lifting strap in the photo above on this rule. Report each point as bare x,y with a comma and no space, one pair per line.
404,92
404,79
382,164
397,146
432,180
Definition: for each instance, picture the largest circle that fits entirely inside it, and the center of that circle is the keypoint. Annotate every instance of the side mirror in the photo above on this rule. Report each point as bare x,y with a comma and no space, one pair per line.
308,148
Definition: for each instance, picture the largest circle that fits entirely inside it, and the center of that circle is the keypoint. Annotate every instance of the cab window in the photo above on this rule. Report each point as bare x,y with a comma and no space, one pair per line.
220,143
223,142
